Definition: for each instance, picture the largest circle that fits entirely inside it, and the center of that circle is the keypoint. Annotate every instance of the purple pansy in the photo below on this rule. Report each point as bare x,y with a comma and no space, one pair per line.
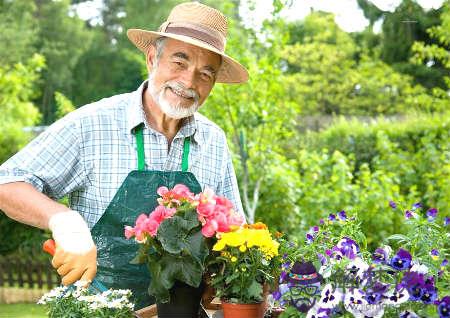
342,215
429,294
381,255
444,263
323,260
446,221
408,314
332,217
321,221
309,238
392,204
315,228
376,293
401,260
417,205
443,307
434,254
431,214
348,247
276,295
408,214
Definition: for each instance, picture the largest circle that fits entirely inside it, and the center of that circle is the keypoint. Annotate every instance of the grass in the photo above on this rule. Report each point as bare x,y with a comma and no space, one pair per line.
22,311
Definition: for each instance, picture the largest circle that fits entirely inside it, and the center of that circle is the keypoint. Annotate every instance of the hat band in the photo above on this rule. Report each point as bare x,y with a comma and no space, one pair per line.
197,34
303,277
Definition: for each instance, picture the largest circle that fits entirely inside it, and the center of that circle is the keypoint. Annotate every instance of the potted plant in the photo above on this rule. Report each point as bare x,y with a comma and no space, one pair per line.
407,276
175,240
78,301
242,267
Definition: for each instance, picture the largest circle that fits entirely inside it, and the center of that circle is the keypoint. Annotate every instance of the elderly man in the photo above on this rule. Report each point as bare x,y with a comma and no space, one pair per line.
110,156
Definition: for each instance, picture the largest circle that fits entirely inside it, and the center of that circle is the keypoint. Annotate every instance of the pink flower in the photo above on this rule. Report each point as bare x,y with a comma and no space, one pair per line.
180,193
210,228
151,227
129,232
206,209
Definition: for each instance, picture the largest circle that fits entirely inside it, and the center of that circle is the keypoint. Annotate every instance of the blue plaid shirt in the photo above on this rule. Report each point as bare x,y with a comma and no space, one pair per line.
88,154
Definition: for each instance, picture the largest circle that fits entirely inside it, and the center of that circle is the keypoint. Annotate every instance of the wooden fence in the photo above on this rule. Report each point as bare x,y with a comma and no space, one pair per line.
15,272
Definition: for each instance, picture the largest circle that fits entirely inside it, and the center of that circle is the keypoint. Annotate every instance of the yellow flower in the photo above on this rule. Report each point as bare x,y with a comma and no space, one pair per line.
233,259
242,248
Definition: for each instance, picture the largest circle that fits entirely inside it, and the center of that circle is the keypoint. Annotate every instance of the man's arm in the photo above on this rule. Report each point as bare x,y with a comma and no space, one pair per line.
52,166
22,202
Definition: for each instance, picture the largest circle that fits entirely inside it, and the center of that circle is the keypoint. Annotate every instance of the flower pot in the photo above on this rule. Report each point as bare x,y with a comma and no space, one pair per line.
184,302
231,310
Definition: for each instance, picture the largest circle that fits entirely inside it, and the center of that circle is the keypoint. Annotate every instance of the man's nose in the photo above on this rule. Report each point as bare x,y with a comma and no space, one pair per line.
188,79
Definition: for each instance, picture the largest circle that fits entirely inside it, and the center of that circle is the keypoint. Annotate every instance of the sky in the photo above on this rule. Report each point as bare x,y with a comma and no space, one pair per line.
347,13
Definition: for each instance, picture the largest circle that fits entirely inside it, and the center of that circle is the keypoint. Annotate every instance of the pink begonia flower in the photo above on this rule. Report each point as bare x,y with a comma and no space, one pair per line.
151,226
162,191
129,232
206,210
210,228
177,195
235,219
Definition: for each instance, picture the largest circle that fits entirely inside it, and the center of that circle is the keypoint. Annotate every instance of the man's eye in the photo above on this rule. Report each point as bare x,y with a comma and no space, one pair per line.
206,76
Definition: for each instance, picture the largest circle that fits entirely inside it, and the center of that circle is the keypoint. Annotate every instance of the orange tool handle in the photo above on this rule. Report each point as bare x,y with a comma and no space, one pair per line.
49,246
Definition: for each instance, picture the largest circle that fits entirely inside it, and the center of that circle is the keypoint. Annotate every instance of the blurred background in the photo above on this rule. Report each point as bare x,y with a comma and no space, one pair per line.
347,106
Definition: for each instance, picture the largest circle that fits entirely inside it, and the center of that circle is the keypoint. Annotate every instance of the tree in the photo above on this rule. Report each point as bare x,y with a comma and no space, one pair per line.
257,118
18,33
62,40
436,53
326,77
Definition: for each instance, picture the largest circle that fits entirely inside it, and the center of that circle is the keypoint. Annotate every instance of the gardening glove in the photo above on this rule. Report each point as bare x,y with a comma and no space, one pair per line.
75,254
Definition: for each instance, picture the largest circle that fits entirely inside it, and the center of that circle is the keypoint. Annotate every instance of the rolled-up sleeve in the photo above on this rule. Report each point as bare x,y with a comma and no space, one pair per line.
52,162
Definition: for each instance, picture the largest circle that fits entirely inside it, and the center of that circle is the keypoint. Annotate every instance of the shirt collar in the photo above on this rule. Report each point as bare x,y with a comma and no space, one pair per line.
136,117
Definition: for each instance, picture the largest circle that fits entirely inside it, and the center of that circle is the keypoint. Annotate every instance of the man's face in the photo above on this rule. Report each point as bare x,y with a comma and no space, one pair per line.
182,78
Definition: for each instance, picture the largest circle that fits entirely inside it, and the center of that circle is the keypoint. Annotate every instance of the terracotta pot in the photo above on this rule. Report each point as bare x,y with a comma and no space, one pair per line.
231,310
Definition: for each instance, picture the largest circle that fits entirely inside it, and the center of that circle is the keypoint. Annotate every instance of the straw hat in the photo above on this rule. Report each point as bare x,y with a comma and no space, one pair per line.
199,25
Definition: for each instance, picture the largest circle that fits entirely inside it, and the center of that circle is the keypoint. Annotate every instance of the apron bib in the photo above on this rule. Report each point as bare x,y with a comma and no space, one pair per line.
136,195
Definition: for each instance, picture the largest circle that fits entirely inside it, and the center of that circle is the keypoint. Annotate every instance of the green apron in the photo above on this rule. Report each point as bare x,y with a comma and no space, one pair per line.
136,195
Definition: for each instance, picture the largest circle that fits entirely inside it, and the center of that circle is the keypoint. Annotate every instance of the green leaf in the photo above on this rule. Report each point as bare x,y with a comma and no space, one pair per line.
255,291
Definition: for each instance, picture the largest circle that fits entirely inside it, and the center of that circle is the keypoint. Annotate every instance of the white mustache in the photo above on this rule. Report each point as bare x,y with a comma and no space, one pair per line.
182,90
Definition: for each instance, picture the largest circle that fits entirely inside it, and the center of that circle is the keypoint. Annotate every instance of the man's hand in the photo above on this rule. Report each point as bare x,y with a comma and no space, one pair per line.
75,255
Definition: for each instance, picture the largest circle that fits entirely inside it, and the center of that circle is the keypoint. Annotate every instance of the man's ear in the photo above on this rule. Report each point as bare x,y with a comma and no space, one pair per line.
150,58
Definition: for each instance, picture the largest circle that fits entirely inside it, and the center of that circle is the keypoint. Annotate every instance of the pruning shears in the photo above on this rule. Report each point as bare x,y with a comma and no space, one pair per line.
96,286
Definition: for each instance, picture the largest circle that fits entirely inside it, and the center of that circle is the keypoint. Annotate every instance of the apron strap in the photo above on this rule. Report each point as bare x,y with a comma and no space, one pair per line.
141,153
185,160
140,147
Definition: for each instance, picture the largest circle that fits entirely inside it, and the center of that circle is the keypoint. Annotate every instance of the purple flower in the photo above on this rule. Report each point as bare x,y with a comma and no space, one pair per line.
408,214
431,214
429,294
392,204
380,256
446,221
408,314
443,307
276,295
416,206
342,216
434,254
321,221
376,294
283,276
286,265
309,238
322,258
444,263
315,228
348,247
332,217
328,252
401,260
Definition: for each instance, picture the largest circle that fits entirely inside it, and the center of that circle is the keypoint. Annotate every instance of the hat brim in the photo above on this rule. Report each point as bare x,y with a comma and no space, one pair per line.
230,70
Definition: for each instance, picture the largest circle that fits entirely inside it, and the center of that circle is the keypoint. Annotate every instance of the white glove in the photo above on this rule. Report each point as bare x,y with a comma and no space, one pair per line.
75,255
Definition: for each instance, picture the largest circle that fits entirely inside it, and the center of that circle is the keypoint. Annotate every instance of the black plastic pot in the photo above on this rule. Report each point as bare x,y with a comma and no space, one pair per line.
184,302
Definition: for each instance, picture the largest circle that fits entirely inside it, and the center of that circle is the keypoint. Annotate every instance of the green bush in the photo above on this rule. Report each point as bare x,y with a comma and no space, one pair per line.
360,167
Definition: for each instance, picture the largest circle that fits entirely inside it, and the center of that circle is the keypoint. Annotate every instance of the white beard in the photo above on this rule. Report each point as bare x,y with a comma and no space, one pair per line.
176,111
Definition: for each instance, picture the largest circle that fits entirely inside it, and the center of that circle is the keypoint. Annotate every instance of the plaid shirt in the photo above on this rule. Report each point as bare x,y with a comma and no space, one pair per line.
88,154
